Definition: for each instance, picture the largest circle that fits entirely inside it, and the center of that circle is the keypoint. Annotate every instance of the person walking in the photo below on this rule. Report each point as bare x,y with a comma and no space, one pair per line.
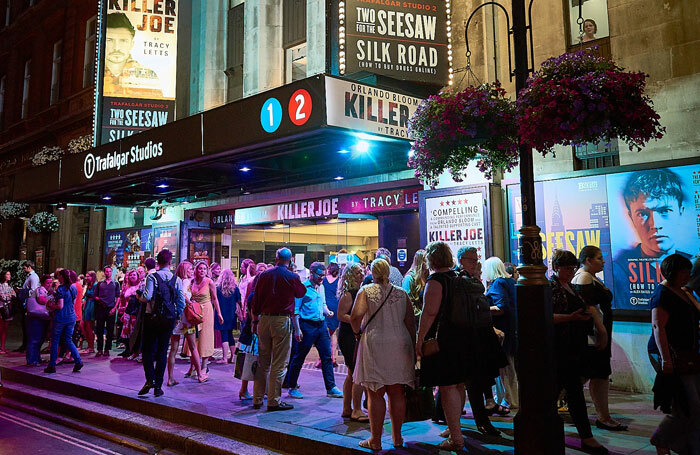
272,308
7,294
385,363
165,303
597,357
38,319
310,329
63,322
229,297
573,321
106,293
204,293
350,282
88,326
675,318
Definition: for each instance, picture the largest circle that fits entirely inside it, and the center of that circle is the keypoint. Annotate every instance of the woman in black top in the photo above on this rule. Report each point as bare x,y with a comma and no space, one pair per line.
596,363
573,322
349,284
675,318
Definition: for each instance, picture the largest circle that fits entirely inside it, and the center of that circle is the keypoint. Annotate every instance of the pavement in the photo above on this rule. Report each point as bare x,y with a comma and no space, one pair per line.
315,418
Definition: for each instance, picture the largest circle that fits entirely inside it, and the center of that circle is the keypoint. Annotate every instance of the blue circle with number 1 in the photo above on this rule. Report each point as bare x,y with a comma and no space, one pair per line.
271,115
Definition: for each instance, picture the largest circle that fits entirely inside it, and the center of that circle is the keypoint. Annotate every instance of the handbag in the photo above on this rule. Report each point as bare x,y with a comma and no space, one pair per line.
430,347
37,310
5,310
420,401
247,362
358,335
193,313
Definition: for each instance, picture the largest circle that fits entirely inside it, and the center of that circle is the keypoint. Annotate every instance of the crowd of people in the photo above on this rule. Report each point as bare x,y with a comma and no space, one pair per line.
446,318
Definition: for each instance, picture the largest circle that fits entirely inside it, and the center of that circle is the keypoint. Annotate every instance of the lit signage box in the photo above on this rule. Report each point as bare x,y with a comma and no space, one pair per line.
405,40
140,56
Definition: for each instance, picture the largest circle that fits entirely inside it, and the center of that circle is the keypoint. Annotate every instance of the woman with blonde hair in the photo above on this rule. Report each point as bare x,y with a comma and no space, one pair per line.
204,292
183,328
348,285
414,281
501,291
385,362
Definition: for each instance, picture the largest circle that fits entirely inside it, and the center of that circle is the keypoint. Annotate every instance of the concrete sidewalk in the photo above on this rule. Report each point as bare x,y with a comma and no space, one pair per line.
316,417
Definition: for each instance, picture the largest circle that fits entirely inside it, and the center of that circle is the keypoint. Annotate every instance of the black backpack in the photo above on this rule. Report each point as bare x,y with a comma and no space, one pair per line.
469,308
164,296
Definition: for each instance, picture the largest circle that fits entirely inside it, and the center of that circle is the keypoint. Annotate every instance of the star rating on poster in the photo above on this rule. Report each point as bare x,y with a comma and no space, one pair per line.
453,202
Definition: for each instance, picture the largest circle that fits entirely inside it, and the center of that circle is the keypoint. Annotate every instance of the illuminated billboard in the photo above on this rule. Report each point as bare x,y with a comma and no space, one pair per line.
139,46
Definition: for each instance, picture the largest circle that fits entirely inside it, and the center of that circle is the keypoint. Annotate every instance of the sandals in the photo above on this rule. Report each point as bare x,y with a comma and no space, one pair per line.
367,445
488,429
398,443
498,410
244,397
362,419
450,445
202,379
605,426
172,383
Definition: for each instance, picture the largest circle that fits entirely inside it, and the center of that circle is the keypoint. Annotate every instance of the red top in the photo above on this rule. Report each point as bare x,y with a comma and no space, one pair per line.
275,290
78,305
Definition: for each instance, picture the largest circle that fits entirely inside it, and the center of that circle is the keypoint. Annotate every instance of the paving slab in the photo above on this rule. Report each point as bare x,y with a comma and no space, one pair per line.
315,418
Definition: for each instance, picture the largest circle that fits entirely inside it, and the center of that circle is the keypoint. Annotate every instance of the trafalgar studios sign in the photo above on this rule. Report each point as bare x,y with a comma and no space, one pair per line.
139,66
407,40
116,160
457,220
367,108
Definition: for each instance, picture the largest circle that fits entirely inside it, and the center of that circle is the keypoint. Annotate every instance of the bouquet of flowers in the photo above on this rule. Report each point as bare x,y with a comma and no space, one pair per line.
47,154
577,98
43,222
80,144
453,128
12,209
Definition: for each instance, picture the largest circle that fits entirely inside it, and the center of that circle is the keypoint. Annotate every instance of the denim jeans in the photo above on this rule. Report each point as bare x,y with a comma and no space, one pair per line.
104,323
63,334
314,334
156,338
36,332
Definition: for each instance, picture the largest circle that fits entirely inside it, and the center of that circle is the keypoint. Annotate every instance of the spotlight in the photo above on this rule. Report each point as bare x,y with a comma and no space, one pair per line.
362,147
106,198
340,177
244,169
343,151
163,186
61,206
134,210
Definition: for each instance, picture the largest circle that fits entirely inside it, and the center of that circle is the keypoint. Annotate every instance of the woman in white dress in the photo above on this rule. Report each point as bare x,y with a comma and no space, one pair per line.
385,358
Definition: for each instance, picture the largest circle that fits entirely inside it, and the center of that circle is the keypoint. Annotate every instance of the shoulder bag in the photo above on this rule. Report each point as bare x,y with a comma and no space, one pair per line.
193,312
358,335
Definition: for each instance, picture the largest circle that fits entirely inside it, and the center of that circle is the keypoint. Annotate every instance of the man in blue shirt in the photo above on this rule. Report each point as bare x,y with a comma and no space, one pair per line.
64,322
310,330
159,321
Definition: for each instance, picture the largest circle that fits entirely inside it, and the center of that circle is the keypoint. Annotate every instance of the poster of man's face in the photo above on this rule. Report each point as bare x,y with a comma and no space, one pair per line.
654,220
118,45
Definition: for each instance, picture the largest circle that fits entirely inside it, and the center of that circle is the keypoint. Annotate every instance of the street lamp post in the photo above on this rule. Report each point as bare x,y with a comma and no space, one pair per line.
538,427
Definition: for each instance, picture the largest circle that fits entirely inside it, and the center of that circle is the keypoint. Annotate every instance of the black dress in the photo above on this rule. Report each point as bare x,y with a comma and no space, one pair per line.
346,339
597,363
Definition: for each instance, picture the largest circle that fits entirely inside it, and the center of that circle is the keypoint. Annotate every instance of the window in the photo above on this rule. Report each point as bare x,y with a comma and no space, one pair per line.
234,53
90,44
8,8
295,63
25,88
594,14
597,155
56,72
293,22
3,81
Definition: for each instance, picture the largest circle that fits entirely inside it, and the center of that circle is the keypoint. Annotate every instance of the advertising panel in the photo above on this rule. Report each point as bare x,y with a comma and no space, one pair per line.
201,245
128,248
457,220
654,213
370,109
165,237
140,53
403,40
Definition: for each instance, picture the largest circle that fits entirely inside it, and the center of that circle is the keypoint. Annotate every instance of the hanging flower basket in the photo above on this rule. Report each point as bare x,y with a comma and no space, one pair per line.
47,154
12,209
452,129
43,222
577,98
80,144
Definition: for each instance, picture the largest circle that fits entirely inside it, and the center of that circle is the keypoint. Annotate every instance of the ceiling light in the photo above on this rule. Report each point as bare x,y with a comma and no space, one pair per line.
106,198
244,169
134,210
61,206
163,186
344,151
361,147
340,177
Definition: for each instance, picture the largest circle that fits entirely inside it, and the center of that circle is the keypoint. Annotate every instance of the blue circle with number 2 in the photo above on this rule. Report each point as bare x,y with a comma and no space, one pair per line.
271,115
